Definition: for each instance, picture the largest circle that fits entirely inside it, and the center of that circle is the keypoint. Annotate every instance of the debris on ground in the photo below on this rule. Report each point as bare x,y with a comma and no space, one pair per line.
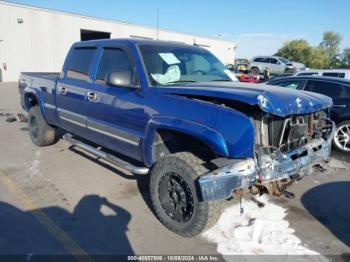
14,118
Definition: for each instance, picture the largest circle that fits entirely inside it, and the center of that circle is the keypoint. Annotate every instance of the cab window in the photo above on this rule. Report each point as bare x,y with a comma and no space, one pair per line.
79,63
113,59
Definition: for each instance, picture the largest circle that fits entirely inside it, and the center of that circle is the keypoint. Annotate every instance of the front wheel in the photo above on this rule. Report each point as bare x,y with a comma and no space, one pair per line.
174,195
341,139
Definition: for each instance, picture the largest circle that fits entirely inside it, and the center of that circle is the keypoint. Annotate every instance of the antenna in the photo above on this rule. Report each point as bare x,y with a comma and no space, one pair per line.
157,28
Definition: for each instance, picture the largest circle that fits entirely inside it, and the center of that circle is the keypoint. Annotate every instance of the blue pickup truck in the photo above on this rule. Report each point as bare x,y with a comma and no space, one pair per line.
173,111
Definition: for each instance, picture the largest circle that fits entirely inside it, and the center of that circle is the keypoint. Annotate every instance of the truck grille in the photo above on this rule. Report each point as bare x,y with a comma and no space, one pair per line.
291,132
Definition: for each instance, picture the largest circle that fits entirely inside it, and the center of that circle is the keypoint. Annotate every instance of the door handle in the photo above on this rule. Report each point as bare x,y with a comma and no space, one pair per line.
63,90
91,96
343,106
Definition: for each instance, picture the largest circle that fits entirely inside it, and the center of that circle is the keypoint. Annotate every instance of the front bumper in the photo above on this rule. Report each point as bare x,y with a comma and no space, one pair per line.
239,174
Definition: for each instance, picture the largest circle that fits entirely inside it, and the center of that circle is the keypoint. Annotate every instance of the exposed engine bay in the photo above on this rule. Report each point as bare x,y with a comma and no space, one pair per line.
285,150
287,143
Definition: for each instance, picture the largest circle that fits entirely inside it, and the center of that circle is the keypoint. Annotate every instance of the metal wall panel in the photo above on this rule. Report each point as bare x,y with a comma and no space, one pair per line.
35,39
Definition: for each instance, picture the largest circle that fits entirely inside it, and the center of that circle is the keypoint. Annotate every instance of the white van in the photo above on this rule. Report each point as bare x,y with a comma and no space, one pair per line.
341,73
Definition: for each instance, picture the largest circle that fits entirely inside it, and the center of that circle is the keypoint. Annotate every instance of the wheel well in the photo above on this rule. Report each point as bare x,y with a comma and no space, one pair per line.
168,142
31,101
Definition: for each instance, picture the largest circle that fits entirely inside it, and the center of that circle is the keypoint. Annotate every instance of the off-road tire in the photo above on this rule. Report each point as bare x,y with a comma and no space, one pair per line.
189,167
40,132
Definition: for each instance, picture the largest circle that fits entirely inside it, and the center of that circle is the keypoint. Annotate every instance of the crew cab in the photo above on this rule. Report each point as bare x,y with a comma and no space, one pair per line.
171,110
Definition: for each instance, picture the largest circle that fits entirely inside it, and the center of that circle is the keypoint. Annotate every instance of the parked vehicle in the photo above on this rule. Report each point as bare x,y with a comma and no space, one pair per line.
339,90
171,110
241,64
341,73
277,65
249,79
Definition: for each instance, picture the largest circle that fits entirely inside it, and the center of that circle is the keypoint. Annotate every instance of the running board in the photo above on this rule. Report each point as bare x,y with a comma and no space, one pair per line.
113,159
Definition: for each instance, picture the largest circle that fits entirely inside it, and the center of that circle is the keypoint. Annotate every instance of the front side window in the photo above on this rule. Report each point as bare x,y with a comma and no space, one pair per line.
171,64
293,84
113,59
284,60
274,61
79,63
333,90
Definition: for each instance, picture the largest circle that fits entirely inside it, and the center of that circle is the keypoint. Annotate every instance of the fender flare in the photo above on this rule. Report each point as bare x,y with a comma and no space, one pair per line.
207,135
31,91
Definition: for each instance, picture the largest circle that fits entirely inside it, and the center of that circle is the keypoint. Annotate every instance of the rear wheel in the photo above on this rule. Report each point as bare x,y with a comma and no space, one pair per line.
255,71
40,132
174,195
341,139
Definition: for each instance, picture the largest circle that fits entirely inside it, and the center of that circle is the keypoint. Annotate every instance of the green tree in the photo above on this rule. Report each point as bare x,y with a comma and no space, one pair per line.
317,58
330,44
345,61
300,51
296,50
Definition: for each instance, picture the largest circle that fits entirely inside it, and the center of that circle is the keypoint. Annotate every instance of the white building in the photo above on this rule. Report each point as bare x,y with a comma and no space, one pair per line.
36,39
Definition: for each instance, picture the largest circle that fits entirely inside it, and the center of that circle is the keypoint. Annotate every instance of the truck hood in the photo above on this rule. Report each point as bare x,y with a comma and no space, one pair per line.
271,99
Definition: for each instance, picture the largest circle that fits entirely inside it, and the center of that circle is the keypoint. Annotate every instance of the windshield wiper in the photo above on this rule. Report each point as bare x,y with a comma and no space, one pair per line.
182,81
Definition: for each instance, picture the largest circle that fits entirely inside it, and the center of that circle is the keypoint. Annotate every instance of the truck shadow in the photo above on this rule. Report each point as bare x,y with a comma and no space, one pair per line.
96,232
329,204
141,180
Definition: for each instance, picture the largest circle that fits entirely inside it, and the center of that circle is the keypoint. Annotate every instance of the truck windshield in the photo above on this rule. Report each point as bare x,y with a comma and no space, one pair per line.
172,64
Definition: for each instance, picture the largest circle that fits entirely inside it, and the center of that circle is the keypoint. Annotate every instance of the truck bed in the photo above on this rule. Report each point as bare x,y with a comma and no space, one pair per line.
47,75
34,81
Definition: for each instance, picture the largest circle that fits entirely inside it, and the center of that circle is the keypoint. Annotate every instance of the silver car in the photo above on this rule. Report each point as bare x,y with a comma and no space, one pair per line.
276,65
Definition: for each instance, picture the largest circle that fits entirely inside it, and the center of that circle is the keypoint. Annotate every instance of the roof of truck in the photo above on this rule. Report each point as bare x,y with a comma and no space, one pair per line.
129,40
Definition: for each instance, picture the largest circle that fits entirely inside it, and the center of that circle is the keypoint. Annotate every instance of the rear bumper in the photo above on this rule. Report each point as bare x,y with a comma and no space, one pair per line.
239,174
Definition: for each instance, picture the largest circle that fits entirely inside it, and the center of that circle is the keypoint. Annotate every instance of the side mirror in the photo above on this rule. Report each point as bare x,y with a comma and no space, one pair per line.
278,63
119,78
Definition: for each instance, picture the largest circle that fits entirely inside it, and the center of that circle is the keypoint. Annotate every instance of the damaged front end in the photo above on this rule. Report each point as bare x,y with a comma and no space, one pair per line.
285,149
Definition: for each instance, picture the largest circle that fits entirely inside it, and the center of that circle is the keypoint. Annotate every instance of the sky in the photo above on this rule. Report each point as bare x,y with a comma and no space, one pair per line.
258,27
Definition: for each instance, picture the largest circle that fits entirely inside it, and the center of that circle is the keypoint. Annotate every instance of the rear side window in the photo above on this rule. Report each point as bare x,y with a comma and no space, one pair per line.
334,74
333,90
112,59
79,63
308,74
265,60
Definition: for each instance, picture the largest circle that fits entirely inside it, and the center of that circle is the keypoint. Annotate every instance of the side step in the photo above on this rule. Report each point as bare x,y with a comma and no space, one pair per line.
113,159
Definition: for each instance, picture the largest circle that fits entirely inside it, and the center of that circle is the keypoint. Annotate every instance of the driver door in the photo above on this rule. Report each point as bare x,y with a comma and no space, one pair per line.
116,117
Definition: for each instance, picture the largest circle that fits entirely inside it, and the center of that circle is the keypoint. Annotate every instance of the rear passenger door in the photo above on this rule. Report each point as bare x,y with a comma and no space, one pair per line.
338,92
71,90
116,117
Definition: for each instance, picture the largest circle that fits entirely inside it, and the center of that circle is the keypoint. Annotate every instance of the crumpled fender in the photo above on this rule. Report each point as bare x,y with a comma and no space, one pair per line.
209,136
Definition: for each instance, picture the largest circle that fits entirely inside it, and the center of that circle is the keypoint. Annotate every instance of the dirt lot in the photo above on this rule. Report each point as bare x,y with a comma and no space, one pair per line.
60,200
